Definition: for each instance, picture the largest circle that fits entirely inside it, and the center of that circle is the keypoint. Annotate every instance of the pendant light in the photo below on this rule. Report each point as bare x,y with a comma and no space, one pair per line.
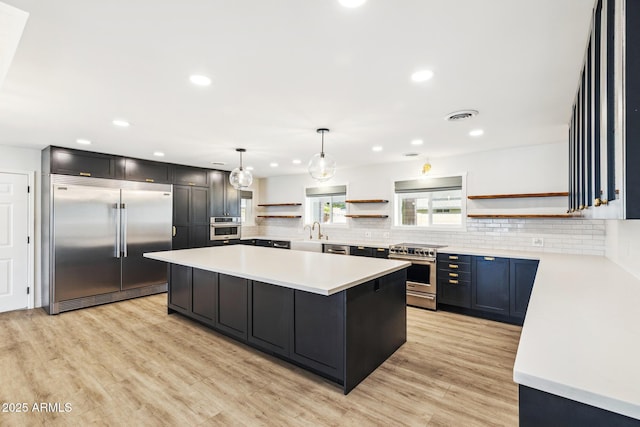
239,177
426,167
322,167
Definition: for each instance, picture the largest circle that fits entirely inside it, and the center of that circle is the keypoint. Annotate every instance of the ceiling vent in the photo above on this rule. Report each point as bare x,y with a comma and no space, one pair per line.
411,154
456,116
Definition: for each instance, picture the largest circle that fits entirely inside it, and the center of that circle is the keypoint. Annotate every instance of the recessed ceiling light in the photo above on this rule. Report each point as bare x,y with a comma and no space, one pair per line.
249,168
417,142
422,76
273,164
158,153
121,123
352,3
476,132
83,141
376,148
218,163
200,80
296,161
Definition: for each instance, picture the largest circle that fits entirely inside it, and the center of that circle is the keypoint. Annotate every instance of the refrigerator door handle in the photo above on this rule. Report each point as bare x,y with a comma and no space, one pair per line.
124,230
116,206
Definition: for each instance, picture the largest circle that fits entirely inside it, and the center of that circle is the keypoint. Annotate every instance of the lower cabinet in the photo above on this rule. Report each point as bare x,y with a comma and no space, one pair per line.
204,294
270,317
522,273
180,286
490,290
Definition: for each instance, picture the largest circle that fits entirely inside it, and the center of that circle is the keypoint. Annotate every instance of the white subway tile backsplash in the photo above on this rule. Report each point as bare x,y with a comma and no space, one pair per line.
573,236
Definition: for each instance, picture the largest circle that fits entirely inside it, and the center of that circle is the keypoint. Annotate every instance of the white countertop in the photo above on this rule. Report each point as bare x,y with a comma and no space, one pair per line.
581,335
319,273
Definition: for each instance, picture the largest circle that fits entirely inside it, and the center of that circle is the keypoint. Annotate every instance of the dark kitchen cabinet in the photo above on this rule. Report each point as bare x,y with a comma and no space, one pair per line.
204,290
180,286
225,242
65,161
185,175
270,317
147,171
361,251
490,289
318,336
381,252
454,280
522,274
231,316
225,200
190,217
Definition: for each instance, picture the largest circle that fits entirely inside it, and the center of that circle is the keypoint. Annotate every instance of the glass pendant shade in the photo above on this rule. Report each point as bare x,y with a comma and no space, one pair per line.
322,167
239,177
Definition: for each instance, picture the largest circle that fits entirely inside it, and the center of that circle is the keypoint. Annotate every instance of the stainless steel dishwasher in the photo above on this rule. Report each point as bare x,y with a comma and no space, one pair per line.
336,249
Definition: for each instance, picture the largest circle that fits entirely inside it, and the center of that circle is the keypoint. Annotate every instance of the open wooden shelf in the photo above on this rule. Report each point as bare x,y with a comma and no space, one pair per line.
518,196
523,216
279,216
367,216
279,204
368,201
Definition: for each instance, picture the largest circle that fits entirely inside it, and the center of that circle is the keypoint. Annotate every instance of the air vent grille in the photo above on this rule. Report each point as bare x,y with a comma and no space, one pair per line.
461,115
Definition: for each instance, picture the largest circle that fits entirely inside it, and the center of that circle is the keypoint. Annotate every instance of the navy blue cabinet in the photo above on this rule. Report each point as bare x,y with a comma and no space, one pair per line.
454,280
490,289
522,273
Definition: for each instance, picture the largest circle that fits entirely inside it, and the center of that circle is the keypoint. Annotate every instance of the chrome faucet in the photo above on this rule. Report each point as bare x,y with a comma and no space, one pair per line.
308,226
313,227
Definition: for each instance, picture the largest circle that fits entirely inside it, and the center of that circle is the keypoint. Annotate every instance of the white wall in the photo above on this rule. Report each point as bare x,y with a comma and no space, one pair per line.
14,159
623,244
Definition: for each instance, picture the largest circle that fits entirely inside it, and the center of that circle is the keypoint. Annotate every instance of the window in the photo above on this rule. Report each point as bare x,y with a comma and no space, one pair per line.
430,202
246,207
327,205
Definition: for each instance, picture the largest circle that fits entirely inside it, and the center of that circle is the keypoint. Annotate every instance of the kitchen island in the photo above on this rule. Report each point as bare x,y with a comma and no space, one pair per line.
339,317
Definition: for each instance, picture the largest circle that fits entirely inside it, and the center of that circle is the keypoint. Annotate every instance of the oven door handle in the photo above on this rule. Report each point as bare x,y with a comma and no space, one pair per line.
419,295
427,261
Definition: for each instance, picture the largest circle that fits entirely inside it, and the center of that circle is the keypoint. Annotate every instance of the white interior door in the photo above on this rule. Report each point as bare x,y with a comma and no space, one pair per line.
14,256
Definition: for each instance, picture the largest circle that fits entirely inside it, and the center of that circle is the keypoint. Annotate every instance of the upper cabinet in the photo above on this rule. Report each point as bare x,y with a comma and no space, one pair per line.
186,175
225,200
82,163
147,171
604,130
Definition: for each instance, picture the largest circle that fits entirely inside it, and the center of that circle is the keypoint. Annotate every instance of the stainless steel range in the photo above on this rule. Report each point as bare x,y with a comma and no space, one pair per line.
421,276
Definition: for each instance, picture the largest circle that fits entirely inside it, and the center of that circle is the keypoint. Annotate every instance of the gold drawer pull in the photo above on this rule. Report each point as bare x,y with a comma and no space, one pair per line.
360,247
380,249
85,174
453,274
148,180
453,265
489,258
453,282
453,256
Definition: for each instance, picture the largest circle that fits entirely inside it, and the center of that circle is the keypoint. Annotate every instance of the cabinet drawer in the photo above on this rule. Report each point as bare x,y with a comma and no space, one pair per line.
361,251
381,252
454,258
454,275
454,294
454,266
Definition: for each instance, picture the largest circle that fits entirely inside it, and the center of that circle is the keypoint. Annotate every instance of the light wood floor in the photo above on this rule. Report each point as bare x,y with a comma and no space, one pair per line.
130,363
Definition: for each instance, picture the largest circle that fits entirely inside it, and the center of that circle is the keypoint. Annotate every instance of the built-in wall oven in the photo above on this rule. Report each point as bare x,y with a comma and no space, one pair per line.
225,228
421,275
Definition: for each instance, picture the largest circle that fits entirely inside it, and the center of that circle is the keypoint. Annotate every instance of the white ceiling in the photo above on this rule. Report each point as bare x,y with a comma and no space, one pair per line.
282,68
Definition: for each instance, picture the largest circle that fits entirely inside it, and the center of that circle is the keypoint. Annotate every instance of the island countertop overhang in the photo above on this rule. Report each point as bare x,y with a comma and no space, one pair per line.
319,273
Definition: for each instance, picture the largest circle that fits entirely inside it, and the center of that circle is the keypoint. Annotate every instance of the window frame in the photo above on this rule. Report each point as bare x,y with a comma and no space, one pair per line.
397,206
250,219
308,211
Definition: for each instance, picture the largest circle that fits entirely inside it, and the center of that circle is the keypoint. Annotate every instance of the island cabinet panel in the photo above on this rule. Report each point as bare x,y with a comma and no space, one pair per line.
490,290
522,274
372,337
318,334
180,287
231,297
270,317
204,292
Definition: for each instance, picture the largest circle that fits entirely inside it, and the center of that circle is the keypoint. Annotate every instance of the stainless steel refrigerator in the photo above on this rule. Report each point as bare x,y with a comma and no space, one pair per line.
97,231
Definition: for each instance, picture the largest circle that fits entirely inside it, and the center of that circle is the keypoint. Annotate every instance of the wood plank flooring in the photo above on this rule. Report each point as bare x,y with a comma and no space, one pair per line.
130,363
